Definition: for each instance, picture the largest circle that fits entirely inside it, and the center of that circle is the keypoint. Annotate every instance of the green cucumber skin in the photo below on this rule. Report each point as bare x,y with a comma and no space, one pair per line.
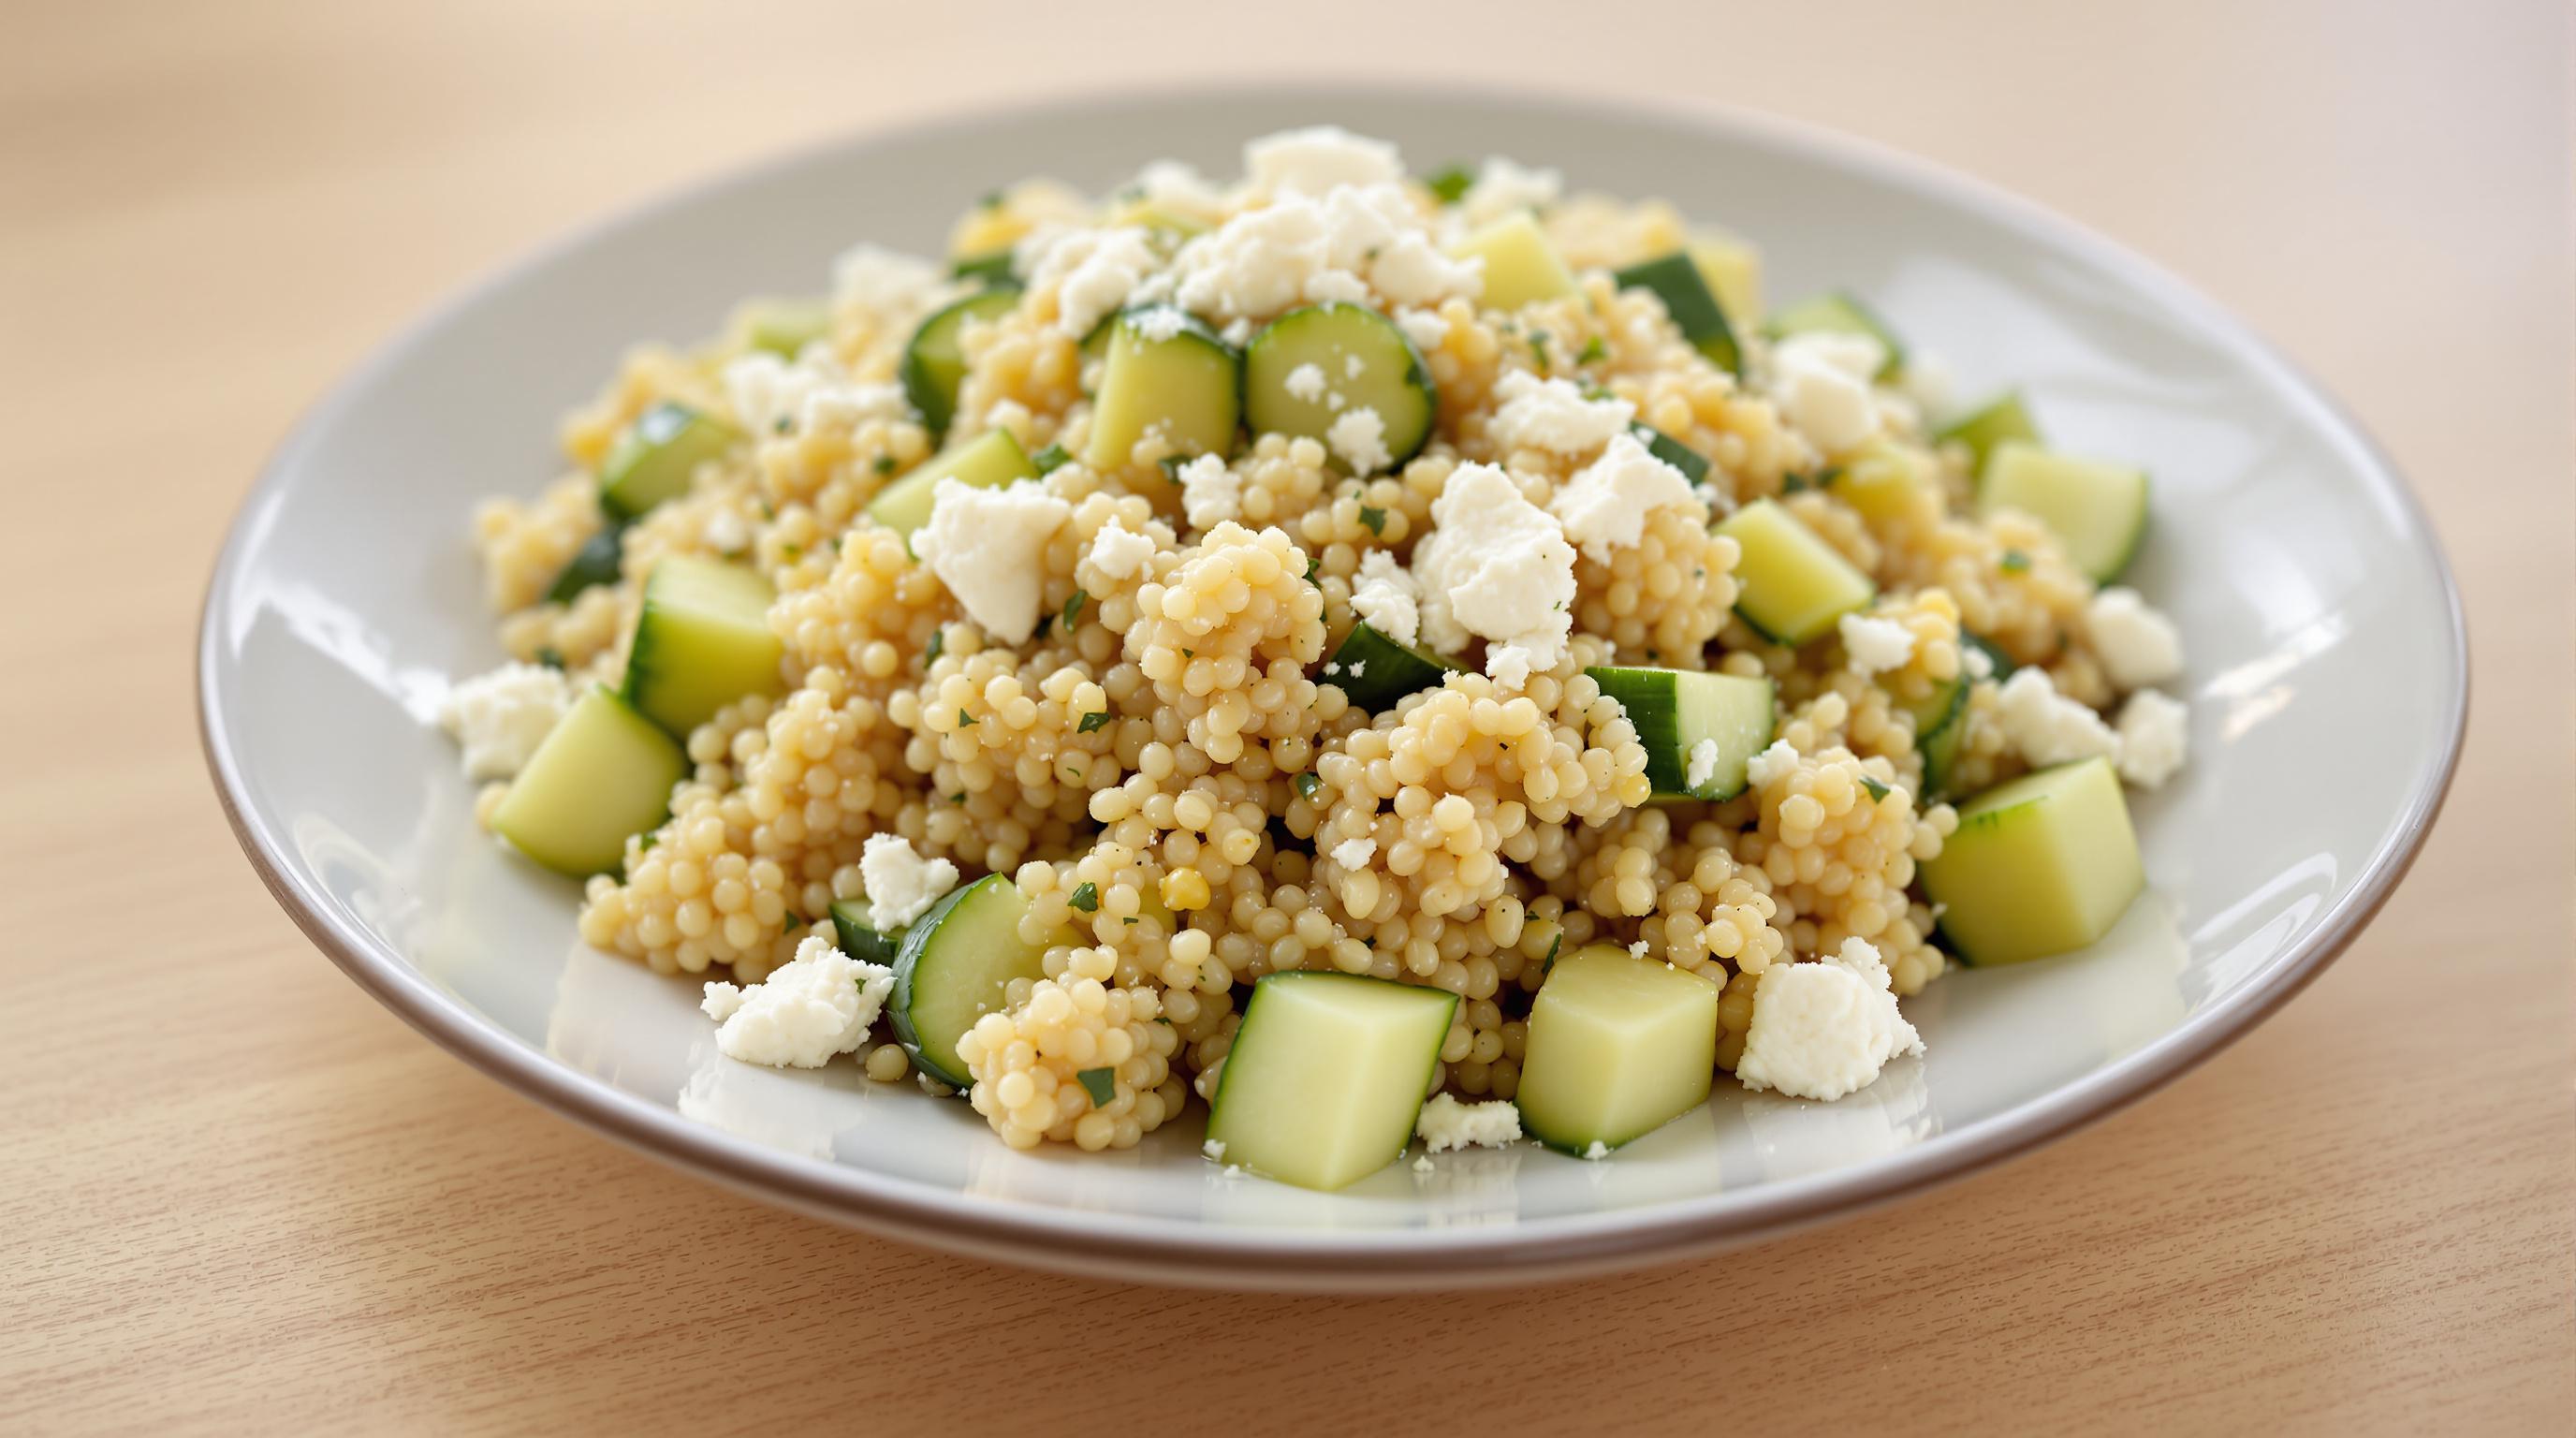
622,496
1676,280
595,563
1692,464
1667,755
929,395
1388,670
1826,310
908,963
1416,378
1939,743
1216,1103
991,268
860,938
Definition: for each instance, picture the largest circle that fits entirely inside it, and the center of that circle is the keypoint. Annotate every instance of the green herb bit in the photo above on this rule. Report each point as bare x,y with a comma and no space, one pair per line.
1096,719
1073,609
1309,784
1547,966
1450,183
938,643
551,657
1050,459
1877,790
2015,562
1593,351
1086,897
1101,1084
1374,518
1538,347
992,200
884,464
1171,466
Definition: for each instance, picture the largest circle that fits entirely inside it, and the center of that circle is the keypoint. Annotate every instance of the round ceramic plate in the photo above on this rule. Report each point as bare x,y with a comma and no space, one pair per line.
2327,680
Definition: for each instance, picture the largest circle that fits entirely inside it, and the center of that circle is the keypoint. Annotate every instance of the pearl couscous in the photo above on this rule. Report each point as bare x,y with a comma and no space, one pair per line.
1431,581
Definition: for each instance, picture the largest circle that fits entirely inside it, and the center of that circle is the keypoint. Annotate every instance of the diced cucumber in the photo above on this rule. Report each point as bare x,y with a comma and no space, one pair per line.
702,640
785,327
2097,509
1186,387
1981,429
861,938
1360,361
2038,866
993,267
934,364
957,960
1792,586
1940,721
1692,463
1374,671
1675,711
604,772
1522,266
993,460
1618,1047
1677,281
1733,269
2004,664
657,456
1839,312
1327,1075
1140,213
1883,479
596,562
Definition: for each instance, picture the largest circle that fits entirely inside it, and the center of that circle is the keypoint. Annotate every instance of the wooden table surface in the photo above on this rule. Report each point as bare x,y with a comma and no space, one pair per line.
239,1196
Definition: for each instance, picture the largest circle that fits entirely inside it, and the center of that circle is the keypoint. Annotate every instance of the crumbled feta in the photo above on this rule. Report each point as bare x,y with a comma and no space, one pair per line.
1978,663
2046,726
1703,764
2137,645
845,407
1306,382
1597,1152
1178,190
1775,763
725,532
1265,261
1820,380
1359,668
1353,366
1411,270
1214,1148
1422,1164
984,544
768,394
1874,646
1825,1029
1160,323
1354,853
1497,566
1317,159
1094,272
1926,381
1604,507
1552,414
901,885
1425,328
1211,494
1446,1124
1503,188
1359,438
500,718
814,1006
1387,598
885,283
1119,552
1637,950
2155,736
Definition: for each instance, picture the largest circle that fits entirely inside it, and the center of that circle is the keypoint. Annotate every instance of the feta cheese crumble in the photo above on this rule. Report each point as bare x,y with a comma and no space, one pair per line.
815,1006
1874,646
1425,328
1597,1152
1604,507
1775,763
1214,1148
1306,382
1301,249
1121,553
1211,494
1358,438
1445,1124
1825,1029
725,533
889,285
2155,737
1503,188
1820,381
1497,566
1093,273
901,885
984,544
2138,646
2046,726
1354,853
769,395
500,718
1318,159
1386,598
1703,765
1552,414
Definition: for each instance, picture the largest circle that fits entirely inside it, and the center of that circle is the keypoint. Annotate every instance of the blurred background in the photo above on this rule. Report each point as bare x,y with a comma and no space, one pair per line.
271,1207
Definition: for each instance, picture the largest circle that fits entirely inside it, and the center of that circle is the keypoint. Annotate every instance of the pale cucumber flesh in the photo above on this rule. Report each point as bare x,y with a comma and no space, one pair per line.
1618,1047
2038,866
1327,1075
604,772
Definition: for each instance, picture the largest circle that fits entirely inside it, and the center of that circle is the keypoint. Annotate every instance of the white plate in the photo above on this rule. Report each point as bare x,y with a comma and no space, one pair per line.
2328,683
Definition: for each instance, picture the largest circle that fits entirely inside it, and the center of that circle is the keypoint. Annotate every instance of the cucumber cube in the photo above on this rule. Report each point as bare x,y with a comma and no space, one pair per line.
934,361
1328,1074
1618,1047
657,456
1522,266
1166,375
2039,865
784,327
855,925
1841,313
956,965
702,640
604,772
2097,509
1990,424
1792,585
991,461
1677,281
1884,480
1699,730
1733,269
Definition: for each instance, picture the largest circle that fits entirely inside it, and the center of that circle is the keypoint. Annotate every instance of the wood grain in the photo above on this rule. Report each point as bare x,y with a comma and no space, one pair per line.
239,1197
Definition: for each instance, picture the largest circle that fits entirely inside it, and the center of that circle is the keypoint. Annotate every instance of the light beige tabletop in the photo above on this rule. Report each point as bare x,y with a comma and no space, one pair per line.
236,1195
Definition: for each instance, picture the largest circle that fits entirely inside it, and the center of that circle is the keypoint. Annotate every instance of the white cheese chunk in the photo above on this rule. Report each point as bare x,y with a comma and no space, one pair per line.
1305,250
817,1005
1552,414
984,544
1211,494
1358,437
2155,738
1497,566
1121,553
1873,646
1318,159
1094,272
2045,726
1446,1124
1604,507
2137,646
888,285
1387,598
901,885
1354,853
1306,382
498,719
1820,381
1772,764
1503,188
1425,328
1703,764
1823,1030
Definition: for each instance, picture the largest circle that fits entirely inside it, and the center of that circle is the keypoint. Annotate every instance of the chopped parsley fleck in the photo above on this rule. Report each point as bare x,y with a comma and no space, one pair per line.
1093,720
1593,351
992,200
1876,789
884,464
1538,346
1597,393
794,921
1101,1084
938,642
1086,897
784,424
1450,183
551,657
1128,920
1073,609
2015,561
1309,784
1374,518
790,551
1171,465
1050,459
965,720
1189,654
1547,965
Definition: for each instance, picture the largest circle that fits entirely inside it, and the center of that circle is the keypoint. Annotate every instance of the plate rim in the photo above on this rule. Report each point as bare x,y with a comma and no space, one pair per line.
1125,1246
